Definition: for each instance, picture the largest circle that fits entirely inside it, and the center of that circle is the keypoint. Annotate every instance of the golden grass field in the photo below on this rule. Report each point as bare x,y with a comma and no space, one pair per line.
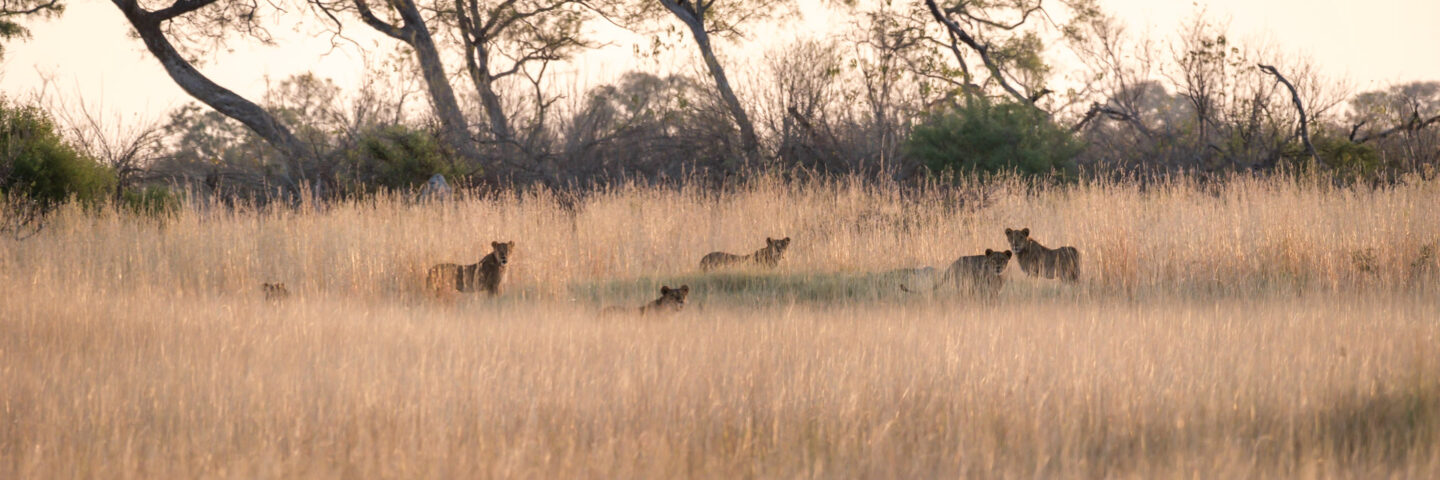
1256,329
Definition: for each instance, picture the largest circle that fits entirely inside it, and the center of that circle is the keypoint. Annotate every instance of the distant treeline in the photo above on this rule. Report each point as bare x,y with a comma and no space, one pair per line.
912,92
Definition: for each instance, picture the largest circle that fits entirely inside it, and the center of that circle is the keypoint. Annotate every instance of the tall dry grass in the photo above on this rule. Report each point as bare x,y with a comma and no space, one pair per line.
1259,328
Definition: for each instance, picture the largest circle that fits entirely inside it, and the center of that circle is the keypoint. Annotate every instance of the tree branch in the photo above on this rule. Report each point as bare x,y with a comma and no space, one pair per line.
367,16
1354,129
958,33
148,26
5,10
180,7
495,17
960,9
1097,109
1415,123
1304,122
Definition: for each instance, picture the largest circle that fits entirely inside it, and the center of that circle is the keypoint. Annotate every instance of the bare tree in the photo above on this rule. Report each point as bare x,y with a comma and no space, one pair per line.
801,104
127,147
705,20
889,49
1401,122
1206,62
1240,120
1299,107
1122,72
523,33
646,125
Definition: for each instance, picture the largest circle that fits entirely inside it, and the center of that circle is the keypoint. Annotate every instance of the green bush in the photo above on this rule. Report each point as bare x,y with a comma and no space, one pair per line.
152,201
1342,157
395,157
991,138
36,162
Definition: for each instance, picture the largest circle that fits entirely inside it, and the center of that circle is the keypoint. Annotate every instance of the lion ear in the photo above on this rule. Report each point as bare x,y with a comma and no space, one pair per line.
495,245
1025,231
989,252
786,239
1008,254
685,289
1009,231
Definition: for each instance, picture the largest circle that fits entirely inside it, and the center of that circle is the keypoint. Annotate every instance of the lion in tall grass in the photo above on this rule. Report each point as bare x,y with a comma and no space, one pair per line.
767,257
975,273
1037,260
275,292
485,275
671,300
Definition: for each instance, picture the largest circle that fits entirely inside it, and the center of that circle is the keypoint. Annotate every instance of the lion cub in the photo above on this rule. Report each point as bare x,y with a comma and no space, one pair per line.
1035,259
275,292
671,300
978,273
485,275
768,256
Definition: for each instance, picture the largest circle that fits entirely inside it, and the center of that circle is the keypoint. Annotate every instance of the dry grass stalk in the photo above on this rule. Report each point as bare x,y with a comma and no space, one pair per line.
1215,332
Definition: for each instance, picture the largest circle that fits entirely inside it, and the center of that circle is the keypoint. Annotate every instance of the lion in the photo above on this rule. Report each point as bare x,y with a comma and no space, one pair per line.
275,292
768,256
485,275
1036,260
671,300
975,273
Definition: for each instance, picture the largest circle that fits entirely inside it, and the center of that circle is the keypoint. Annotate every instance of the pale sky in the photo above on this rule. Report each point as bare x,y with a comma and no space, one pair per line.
88,51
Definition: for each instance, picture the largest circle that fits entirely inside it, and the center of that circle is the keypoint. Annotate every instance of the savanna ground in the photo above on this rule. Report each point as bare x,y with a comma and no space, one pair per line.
1256,328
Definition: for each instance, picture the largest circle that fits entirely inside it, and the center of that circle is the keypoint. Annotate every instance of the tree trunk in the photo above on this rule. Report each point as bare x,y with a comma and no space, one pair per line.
452,120
147,25
1295,96
499,124
748,141
478,63
416,34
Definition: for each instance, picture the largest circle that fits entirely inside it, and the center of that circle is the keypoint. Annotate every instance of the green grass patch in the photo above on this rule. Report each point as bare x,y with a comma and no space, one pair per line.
748,288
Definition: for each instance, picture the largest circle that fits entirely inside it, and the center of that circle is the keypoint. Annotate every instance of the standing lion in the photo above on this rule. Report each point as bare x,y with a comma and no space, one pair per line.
1036,260
485,275
767,257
